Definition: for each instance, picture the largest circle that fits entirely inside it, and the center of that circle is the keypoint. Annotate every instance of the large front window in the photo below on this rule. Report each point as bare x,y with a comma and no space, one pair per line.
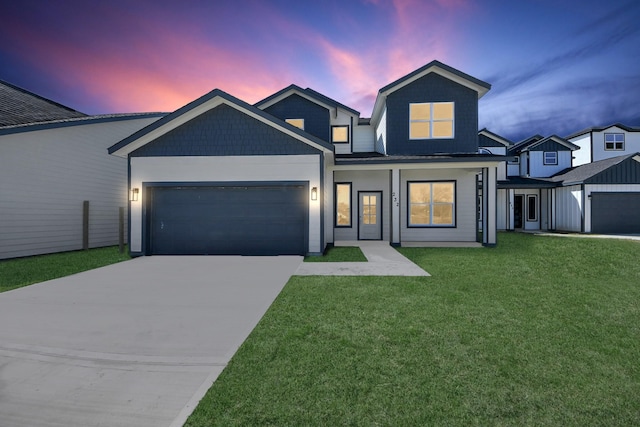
431,204
431,120
343,205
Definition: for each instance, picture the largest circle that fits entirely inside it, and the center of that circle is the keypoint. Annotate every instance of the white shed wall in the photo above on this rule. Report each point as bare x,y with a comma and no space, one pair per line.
45,176
569,208
583,155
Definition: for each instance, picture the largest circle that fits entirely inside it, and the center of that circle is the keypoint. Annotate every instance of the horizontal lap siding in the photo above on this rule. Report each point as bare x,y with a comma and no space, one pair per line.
466,205
363,139
46,175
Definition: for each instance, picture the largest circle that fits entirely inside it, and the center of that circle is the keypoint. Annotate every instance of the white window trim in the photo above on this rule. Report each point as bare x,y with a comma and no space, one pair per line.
431,120
431,204
535,218
614,142
544,158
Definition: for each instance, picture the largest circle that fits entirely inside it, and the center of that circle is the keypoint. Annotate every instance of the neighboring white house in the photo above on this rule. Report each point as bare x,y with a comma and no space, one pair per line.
599,143
49,169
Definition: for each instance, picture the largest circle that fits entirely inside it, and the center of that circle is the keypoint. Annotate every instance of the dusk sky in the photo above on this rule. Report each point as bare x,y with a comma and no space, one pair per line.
555,67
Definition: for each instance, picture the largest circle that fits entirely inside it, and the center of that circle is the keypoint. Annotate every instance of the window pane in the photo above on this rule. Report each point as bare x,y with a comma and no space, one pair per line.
420,130
443,214
372,219
419,215
443,111
532,212
443,192
443,129
619,137
419,111
608,145
609,137
340,134
420,192
299,123
343,211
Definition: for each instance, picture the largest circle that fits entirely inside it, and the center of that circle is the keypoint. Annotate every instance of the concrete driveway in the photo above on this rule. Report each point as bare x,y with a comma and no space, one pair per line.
132,344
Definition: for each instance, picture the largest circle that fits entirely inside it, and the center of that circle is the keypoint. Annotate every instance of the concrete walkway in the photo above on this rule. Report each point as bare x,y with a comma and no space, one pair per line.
132,344
383,261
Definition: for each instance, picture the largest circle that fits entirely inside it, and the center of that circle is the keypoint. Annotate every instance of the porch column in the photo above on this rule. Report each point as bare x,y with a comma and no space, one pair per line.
395,207
490,223
511,194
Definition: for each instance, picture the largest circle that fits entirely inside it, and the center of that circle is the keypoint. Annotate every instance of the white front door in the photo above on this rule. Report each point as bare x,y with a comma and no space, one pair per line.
370,218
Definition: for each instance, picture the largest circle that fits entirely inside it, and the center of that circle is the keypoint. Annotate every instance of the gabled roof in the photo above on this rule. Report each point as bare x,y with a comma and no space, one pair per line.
19,106
437,67
603,128
200,106
495,137
86,120
518,146
552,138
583,173
308,94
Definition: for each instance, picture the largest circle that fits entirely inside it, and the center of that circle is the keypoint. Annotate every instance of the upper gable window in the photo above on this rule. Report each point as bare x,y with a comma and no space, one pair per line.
431,120
299,123
340,134
550,158
614,141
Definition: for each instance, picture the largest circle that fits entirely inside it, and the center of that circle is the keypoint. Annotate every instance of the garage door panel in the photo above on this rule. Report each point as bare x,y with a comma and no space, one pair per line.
258,220
613,213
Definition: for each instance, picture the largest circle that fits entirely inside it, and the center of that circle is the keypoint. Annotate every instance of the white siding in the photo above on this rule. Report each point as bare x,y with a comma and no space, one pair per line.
46,175
343,119
538,169
363,139
603,188
466,207
583,155
513,169
381,133
218,169
377,180
502,209
569,208
631,144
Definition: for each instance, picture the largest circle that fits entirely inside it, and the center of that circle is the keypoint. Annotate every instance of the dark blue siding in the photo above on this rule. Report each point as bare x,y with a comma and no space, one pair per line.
224,131
550,146
485,141
316,118
432,88
625,172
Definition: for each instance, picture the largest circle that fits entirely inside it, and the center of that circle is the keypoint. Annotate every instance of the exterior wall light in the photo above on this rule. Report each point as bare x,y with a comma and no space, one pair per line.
134,194
314,193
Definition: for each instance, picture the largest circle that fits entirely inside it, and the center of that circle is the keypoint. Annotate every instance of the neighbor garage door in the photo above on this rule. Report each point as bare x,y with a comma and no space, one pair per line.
233,220
615,213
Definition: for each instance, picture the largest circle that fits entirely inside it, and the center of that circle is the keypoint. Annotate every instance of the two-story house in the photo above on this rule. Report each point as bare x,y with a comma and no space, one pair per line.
525,197
299,171
599,143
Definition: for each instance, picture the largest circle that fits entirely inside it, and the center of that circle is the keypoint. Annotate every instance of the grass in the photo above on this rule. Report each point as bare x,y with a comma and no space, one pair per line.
15,273
537,331
339,254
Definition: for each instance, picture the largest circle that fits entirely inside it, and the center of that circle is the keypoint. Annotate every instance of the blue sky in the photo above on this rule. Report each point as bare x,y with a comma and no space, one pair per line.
555,67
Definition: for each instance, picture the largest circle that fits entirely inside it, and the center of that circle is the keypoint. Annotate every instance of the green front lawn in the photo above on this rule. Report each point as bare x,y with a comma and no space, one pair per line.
15,273
537,331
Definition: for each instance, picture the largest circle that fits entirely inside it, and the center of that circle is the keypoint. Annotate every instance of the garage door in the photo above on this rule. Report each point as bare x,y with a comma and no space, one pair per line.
228,220
613,213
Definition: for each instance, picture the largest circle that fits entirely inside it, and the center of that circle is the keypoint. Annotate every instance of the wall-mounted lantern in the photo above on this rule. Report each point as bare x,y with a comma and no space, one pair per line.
314,193
133,196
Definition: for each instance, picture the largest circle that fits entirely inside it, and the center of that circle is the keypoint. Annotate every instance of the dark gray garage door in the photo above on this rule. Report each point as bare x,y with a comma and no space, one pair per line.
228,220
613,213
